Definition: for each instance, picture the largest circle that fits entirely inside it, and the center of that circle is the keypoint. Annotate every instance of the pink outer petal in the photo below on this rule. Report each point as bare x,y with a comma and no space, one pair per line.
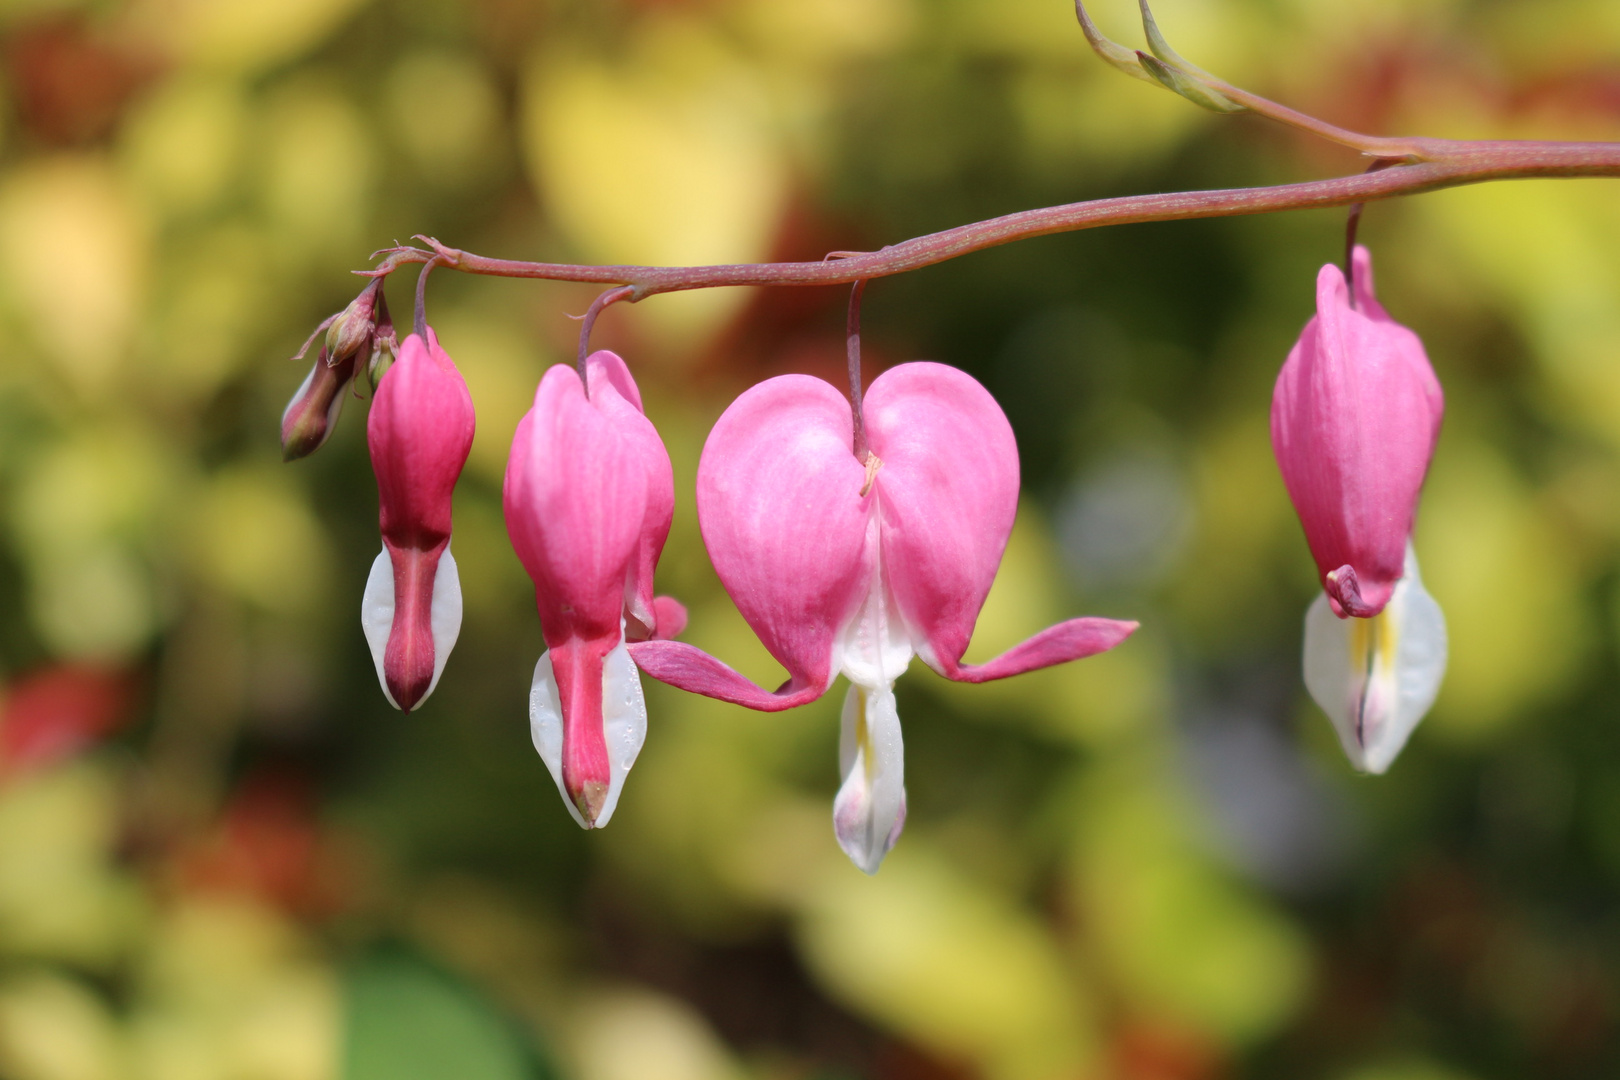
689,668
1058,644
419,432
1354,420
575,498
780,507
614,392
948,491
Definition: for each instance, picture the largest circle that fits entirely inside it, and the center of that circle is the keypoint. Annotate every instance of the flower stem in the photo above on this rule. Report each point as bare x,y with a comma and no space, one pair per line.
852,348
1452,164
587,322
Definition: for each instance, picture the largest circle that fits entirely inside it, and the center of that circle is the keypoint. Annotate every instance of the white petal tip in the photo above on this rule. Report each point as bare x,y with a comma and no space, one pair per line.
624,727
869,810
377,616
1376,678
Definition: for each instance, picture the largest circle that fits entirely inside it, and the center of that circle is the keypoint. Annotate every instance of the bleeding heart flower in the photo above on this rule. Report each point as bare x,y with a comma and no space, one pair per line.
1354,420
419,432
589,496
849,566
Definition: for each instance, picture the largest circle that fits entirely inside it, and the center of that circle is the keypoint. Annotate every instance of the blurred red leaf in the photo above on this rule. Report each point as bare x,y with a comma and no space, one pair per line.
269,843
53,713
70,84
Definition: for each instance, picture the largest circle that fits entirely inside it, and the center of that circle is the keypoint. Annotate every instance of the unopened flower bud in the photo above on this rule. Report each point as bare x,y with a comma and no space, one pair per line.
313,410
352,332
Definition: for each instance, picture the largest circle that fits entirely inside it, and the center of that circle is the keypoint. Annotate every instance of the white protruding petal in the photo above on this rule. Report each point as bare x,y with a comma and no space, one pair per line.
444,617
874,648
377,615
624,725
870,808
1375,678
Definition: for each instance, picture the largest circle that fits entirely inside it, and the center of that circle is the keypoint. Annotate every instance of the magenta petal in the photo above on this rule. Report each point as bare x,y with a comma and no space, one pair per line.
670,617
780,506
575,498
614,392
687,667
948,488
1058,644
1354,419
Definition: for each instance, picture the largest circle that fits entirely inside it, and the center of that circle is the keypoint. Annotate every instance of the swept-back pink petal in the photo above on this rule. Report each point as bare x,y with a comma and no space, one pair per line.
687,667
780,506
614,392
949,491
1072,640
1354,419
419,433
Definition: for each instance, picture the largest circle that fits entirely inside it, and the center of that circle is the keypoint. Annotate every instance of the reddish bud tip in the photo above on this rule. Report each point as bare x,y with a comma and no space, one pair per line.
1344,593
590,798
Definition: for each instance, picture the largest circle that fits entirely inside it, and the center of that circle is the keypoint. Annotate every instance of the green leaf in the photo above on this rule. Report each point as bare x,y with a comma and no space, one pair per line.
408,1019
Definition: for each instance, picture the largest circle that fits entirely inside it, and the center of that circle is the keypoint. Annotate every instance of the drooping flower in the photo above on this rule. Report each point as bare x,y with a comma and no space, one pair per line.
1354,419
844,566
589,496
419,432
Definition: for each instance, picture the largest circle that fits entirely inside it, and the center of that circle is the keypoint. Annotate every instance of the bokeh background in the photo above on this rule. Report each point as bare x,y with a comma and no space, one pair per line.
224,857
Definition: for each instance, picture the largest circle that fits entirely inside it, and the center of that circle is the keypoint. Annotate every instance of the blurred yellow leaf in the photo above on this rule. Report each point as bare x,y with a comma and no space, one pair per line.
1551,255
239,36
1182,938
255,537
933,955
639,1034
831,29
502,365
53,1028
72,263
1508,588
183,144
667,157
446,113
60,894
319,164
232,988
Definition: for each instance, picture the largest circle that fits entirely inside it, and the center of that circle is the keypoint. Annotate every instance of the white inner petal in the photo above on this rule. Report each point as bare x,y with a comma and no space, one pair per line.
870,808
444,616
1376,678
874,647
624,724
377,615
624,721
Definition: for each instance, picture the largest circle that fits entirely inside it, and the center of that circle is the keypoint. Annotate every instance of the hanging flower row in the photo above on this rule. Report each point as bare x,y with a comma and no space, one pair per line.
853,534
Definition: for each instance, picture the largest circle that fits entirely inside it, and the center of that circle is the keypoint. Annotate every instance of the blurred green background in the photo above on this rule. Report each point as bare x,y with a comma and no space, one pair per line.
224,857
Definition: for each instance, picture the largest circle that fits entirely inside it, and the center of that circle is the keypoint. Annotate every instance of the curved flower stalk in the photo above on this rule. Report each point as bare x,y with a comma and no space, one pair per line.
589,496
1354,419
849,566
419,432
